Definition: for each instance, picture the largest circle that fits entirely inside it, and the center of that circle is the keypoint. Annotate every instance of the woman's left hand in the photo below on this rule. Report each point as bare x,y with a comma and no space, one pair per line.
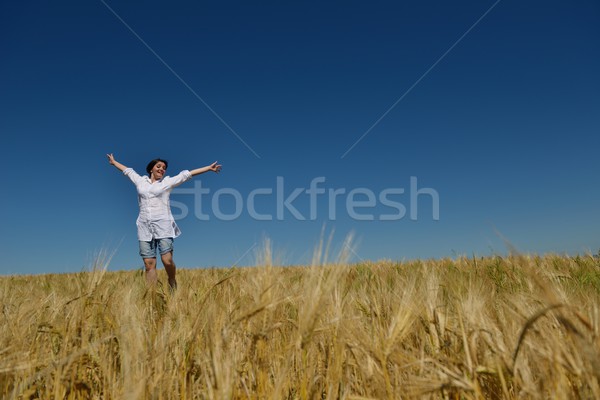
215,167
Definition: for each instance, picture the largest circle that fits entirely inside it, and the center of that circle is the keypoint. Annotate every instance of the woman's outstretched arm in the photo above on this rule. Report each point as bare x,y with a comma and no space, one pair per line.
212,167
112,161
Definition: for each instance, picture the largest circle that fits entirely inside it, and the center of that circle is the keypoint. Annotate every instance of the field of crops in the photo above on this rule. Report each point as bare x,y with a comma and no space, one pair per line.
515,327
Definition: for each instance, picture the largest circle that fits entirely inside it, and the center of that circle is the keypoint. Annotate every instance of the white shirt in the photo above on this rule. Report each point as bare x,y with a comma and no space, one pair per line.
155,220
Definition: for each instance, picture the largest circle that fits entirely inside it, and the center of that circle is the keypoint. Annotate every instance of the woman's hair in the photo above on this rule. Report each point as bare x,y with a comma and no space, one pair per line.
152,163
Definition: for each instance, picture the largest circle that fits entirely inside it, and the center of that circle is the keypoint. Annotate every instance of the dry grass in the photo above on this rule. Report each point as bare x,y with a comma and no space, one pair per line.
493,328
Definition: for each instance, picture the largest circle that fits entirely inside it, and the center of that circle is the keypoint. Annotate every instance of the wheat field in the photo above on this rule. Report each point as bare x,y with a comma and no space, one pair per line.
513,327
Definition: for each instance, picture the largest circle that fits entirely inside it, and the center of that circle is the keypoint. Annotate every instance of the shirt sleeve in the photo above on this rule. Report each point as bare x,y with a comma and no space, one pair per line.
131,174
178,179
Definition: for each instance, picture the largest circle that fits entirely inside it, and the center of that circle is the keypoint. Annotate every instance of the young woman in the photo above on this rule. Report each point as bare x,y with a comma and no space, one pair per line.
156,227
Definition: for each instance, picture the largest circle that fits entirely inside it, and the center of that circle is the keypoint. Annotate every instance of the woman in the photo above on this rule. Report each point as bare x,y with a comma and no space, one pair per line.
156,227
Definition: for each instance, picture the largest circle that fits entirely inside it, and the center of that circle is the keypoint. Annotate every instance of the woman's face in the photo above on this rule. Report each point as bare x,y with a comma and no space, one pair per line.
158,171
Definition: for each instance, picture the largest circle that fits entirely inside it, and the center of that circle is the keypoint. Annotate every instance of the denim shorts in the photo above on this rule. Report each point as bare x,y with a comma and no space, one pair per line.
148,249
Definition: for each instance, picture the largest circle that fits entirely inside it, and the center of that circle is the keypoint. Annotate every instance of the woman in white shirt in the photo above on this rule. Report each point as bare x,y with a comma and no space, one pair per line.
156,227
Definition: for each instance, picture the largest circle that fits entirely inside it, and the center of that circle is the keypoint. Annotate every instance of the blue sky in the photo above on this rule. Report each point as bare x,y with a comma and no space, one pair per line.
494,105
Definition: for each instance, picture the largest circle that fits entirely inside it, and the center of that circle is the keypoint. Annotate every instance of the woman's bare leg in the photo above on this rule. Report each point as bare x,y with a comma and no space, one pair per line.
169,264
150,265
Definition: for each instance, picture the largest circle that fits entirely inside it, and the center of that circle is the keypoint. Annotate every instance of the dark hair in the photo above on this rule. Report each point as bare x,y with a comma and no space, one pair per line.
152,163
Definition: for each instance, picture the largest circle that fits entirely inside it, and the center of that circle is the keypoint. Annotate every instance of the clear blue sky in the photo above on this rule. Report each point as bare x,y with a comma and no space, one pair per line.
499,115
